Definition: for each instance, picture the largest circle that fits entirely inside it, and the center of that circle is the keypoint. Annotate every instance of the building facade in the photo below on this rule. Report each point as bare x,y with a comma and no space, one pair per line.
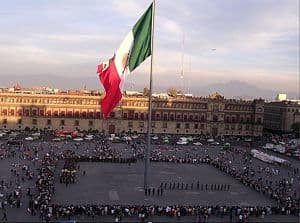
213,115
281,115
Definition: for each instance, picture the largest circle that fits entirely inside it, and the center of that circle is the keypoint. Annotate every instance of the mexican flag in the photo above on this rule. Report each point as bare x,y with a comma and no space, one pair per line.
134,49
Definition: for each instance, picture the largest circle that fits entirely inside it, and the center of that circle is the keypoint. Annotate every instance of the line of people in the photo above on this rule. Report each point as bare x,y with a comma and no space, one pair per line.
192,186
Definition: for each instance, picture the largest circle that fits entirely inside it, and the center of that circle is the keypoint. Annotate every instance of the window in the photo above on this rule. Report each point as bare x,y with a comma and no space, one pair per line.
232,127
177,125
62,122
142,116
41,112
91,123
227,119
215,118
259,121
157,116
153,124
19,121
196,126
130,124
165,125
136,116
76,123
91,114
187,125
4,121
49,122
165,117
112,114
141,124
202,126
172,117
98,114
227,127
12,112
69,114
202,118
125,115
185,117
34,121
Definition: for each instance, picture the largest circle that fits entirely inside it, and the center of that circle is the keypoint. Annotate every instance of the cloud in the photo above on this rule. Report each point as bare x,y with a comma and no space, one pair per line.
256,40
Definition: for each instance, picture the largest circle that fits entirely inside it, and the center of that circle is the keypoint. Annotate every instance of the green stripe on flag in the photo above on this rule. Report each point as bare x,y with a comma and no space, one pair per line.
142,40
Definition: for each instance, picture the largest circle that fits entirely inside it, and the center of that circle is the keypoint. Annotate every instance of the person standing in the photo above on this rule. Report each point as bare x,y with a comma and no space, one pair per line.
4,217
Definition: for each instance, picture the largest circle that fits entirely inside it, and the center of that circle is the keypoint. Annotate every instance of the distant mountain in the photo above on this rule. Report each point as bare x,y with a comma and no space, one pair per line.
231,89
239,89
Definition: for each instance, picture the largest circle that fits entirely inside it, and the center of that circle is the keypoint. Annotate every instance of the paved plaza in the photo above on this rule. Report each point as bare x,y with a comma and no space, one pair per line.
123,184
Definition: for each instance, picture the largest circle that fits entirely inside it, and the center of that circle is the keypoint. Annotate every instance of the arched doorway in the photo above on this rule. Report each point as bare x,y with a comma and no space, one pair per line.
111,129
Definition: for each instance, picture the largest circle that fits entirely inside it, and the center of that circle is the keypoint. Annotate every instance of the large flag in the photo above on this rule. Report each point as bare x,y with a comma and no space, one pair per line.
134,49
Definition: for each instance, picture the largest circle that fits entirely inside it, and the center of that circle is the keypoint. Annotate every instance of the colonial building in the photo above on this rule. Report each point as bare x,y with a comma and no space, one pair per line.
213,115
280,115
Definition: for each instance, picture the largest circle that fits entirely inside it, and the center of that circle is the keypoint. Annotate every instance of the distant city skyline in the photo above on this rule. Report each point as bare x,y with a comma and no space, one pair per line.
256,42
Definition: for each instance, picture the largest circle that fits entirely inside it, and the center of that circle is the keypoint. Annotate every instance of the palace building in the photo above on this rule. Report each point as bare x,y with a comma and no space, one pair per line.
213,115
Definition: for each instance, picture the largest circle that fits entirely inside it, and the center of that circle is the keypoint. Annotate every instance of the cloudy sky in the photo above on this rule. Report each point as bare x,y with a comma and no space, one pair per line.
256,41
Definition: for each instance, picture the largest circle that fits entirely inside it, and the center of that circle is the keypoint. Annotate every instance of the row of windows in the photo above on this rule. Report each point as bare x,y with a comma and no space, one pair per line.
238,127
166,117
165,105
238,108
234,119
277,109
165,125
50,101
27,112
49,122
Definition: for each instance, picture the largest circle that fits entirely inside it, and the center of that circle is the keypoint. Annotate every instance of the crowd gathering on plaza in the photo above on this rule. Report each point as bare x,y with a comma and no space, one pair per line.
39,163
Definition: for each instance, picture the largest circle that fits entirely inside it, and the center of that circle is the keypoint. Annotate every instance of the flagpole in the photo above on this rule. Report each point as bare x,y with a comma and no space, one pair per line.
148,148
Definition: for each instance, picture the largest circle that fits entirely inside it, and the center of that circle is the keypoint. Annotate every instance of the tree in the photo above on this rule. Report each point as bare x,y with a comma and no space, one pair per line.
27,129
296,128
146,91
172,92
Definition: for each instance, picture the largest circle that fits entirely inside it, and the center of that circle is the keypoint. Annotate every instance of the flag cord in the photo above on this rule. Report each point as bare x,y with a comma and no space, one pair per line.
148,148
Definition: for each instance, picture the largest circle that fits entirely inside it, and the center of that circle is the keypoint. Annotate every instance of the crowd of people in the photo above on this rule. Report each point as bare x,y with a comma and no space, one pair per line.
266,180
142,212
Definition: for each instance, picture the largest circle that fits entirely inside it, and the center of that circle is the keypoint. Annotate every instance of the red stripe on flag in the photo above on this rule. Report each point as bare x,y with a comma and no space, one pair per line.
110,79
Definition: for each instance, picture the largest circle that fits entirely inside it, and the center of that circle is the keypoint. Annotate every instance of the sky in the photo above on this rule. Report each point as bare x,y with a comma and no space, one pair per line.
256,41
